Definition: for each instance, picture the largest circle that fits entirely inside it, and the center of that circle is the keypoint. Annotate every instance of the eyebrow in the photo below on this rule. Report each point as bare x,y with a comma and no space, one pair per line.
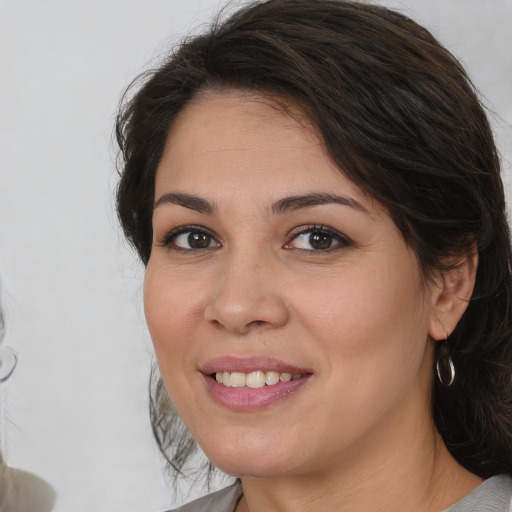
281,206
187,201
305,201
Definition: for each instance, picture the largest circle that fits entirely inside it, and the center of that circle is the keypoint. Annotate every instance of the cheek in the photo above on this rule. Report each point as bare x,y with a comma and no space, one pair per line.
170,314
358,307
374,336
172,320
373,325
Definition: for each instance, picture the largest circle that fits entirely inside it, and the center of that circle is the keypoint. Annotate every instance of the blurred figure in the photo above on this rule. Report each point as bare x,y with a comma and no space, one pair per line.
8,362
20,491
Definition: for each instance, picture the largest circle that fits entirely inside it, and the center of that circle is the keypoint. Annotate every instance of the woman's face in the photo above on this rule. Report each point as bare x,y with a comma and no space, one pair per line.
269,264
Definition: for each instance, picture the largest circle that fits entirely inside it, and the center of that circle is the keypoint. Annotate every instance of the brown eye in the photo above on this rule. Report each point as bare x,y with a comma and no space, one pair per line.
317,239
190,240
199,240
320,241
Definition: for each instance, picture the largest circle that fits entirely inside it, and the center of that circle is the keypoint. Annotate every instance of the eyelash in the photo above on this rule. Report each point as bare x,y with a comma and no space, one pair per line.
342,240
168,241
169,238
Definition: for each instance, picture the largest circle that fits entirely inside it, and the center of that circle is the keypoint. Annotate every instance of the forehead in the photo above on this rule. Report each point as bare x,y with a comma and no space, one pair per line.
242,139
237,119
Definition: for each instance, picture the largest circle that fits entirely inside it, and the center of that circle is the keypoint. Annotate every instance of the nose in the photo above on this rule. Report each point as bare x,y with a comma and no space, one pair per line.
246,297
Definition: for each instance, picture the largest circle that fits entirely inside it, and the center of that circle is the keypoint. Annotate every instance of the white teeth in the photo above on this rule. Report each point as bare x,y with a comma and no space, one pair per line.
238,380
254,380
271,378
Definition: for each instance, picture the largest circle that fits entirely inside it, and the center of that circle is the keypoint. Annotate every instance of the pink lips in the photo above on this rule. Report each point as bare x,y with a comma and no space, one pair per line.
245,399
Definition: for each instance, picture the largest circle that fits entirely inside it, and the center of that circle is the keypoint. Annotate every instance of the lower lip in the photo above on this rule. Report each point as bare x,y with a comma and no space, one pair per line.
247,399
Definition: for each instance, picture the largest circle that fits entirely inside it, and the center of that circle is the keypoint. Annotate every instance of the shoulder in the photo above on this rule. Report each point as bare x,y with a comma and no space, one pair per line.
494,495
224,500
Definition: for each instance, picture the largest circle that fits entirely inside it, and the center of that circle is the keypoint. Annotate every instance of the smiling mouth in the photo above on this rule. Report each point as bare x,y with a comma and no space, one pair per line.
253,383
254,380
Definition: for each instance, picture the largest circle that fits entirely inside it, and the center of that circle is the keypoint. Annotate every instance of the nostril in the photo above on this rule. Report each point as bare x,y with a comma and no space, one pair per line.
257,323
216,323
251,325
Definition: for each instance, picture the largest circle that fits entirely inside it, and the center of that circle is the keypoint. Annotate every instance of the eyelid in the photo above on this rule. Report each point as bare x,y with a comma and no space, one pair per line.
319,228
166,240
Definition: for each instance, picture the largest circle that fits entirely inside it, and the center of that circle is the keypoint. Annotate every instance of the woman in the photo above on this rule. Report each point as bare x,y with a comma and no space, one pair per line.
314,189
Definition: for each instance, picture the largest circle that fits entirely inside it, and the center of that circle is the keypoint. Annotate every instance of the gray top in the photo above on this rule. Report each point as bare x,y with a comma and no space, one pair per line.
224,500
494,495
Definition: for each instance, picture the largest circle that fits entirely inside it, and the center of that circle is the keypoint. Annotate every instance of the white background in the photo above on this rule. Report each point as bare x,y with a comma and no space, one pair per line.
75,410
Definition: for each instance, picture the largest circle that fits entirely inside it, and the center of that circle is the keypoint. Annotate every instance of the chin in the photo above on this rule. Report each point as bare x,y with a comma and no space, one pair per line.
254,468
252,459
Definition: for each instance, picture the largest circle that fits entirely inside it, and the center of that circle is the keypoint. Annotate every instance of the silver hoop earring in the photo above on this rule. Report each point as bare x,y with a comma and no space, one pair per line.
444,365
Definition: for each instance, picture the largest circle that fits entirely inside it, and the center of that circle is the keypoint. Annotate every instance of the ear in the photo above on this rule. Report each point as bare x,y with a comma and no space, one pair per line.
451,294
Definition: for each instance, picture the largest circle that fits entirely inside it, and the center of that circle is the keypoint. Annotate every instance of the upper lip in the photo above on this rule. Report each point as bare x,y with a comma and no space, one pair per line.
247,364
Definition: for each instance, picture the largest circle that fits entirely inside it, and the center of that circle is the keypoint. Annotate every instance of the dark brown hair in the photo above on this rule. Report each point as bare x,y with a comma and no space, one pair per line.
399,116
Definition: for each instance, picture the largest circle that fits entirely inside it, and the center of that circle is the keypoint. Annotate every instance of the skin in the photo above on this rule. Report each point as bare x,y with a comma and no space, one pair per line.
359,434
